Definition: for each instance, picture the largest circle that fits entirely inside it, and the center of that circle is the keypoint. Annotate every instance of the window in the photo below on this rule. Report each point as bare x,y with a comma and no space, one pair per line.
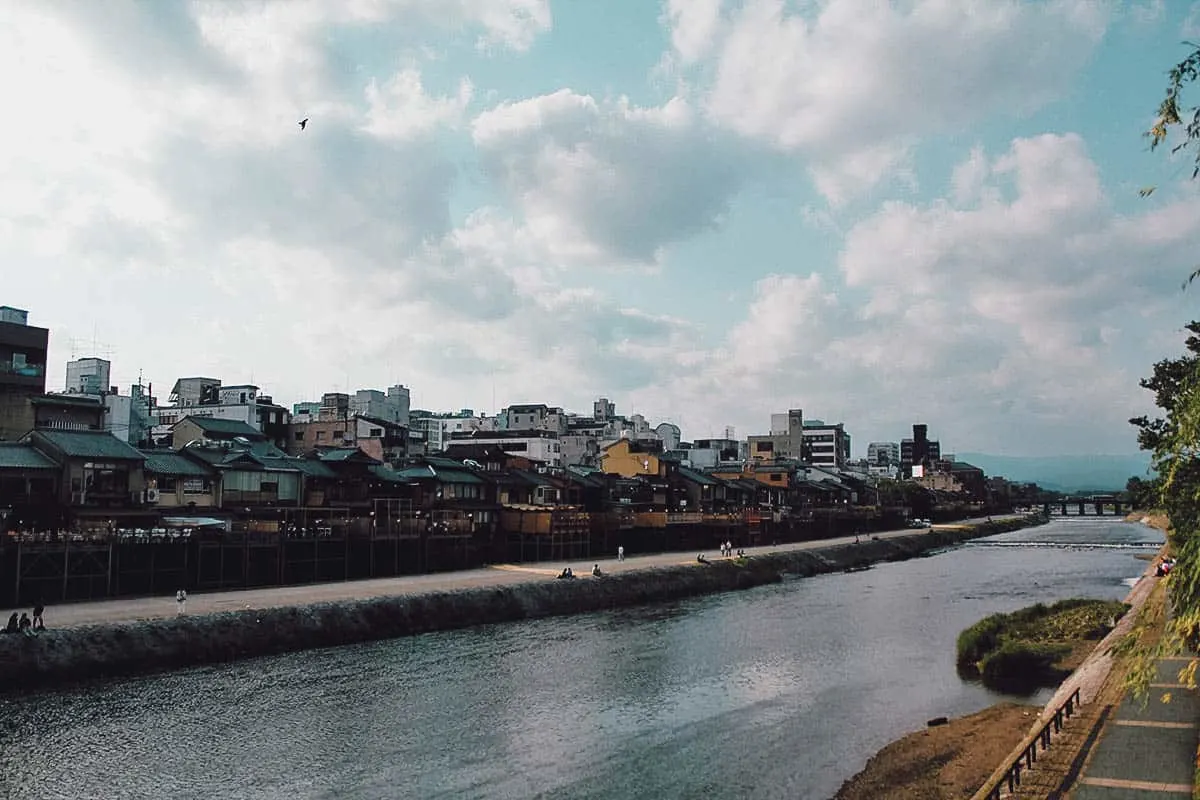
299,436
320,435
339,434
764,447
375,433
243,395
776,476
165,484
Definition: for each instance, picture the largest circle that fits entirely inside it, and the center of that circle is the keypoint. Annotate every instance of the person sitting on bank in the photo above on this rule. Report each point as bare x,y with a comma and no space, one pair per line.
13,625
701,559
596,570
39,624
25,623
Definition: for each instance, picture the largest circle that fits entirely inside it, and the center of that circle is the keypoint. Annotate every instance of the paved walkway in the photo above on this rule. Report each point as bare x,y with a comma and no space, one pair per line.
1146,751
71,615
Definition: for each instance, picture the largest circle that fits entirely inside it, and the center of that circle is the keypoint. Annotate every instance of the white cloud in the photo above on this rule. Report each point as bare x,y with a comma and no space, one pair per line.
852,84
695,26
400,108
1191,23
609,180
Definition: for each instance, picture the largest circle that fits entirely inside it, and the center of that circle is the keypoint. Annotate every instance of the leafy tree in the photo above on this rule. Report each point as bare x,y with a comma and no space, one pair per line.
1174,439
1173,112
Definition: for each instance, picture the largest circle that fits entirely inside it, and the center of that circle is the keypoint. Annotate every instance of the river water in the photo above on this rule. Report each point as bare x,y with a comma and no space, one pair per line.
781,691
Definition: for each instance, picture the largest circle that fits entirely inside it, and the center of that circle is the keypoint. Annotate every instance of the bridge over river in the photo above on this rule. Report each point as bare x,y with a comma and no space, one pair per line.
1087,505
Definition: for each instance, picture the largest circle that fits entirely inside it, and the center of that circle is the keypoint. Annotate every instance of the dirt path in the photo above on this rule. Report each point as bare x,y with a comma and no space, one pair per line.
944,762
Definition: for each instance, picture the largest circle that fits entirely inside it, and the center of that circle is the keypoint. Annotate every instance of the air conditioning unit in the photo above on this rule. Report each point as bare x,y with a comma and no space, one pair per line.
152,495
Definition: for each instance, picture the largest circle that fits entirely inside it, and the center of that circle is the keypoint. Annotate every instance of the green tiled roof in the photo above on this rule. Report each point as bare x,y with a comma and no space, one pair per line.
696,477
345,454
531,478
444,474
225,427
87,444
18,455
168,462
386,473
312,468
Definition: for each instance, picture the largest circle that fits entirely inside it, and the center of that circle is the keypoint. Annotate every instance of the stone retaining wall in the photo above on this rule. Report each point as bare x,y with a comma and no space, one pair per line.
74,654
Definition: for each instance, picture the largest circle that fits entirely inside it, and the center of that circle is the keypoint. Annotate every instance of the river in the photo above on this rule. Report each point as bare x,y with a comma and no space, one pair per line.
783,691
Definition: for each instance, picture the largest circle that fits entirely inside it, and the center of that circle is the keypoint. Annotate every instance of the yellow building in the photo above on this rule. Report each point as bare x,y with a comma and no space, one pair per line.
630,459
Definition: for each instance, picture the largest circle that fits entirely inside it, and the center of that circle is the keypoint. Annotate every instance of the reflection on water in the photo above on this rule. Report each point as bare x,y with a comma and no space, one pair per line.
780,691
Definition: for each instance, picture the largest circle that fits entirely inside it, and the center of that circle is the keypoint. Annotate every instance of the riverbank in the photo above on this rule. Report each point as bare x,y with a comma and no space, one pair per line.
127,647
957,759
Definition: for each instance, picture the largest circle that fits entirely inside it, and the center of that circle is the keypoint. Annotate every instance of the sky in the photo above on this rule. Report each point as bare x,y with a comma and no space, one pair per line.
707,211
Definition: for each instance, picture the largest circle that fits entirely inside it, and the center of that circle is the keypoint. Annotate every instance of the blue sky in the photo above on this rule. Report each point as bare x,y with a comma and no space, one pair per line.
705,210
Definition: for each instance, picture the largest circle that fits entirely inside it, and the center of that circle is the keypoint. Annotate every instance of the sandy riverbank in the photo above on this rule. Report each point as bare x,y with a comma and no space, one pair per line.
135,646
955,760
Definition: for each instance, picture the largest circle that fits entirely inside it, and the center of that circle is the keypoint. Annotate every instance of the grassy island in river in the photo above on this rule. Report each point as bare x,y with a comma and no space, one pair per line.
1035,646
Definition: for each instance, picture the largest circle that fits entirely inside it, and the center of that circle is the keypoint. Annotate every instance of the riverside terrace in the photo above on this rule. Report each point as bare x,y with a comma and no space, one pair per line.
87,516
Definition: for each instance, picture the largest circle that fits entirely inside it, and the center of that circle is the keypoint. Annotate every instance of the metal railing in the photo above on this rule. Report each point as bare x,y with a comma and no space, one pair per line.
1009,777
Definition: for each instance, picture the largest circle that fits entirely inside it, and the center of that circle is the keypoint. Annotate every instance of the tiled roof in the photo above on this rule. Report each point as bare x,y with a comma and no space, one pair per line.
224,427
312,468
18,455
168,462
386,473
336,454
87,444
531,478
696,477
444,474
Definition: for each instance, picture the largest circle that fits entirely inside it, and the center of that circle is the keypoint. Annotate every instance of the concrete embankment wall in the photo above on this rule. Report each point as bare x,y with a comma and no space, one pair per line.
64,656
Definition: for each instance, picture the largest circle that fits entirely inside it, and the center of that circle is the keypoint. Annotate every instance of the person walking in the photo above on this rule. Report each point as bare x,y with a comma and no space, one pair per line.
620,552
181,602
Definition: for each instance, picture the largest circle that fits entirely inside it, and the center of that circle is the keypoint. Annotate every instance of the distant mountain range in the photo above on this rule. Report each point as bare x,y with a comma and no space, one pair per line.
1064,473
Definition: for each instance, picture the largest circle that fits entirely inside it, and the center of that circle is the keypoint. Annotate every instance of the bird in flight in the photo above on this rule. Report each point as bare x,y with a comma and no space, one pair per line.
303,122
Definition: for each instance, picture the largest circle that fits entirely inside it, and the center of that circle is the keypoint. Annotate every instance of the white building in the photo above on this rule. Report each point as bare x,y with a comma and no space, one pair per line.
206,397
393,406
828,446
543,446
90,376
438,428
669,434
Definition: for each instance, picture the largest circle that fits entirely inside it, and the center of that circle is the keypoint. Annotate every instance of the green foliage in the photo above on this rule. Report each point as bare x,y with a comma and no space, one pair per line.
1142,494
1173,112
1021,648
1023,666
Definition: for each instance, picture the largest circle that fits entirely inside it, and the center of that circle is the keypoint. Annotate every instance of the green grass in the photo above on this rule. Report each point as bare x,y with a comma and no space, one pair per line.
1022,650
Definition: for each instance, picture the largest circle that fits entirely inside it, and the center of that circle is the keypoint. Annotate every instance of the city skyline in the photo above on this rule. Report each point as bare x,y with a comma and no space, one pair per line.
706,211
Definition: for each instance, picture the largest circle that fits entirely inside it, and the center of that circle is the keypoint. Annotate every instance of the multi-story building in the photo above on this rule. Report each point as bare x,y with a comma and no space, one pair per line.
825,445
306,412
533,417
378,438
536,445
89,376
393,406
918,453
437,428
883,454
708,453
206,397
23,349
785,440
128,417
